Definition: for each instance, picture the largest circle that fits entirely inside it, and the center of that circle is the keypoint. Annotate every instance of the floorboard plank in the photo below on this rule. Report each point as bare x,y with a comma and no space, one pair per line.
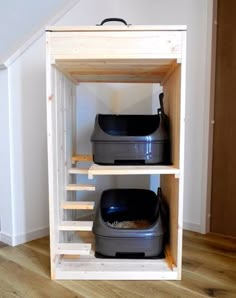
28,258
18,281
224,246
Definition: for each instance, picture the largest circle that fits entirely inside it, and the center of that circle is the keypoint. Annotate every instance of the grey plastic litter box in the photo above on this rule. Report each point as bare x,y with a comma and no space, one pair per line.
131,139
130,205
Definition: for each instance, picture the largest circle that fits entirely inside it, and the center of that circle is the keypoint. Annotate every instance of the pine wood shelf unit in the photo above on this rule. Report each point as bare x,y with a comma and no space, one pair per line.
153,54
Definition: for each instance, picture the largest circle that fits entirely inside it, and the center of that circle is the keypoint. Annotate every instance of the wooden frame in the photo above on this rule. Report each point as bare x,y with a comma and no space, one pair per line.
110,54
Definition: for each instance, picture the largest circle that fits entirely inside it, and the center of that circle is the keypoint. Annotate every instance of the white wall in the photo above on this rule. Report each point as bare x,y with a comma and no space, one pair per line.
28,114
6,217
22,19
29,160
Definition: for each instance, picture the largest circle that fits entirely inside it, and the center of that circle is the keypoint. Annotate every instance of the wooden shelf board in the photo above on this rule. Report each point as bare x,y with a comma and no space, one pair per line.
113,70
76,187
78,171
80,205
96,170
73,248
117,28
76,226
114,269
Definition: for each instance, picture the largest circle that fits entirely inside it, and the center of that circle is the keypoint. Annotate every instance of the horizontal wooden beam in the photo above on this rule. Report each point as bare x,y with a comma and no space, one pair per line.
78,171
96,170
78,187
73,248
76,226
80,205
82,158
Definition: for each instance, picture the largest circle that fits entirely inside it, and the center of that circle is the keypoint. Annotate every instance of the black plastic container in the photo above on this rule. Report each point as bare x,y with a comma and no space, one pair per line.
130,139
129,206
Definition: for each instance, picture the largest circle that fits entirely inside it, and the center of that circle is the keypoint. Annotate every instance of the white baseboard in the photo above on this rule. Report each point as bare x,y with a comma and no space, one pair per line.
23,238
6,238
190,226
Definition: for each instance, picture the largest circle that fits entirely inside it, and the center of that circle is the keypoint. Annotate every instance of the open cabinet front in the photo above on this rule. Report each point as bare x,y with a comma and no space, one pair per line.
110,54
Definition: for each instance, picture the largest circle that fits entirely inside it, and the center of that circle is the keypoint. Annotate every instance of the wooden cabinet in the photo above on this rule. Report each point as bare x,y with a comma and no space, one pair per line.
154,54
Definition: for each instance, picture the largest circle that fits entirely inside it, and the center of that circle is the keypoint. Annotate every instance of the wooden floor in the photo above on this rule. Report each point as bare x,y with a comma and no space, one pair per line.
209,270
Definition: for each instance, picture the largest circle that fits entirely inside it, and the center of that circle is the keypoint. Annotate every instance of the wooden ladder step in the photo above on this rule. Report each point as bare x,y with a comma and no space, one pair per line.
78,171
73,248
75,187
76,226
81,205
82,158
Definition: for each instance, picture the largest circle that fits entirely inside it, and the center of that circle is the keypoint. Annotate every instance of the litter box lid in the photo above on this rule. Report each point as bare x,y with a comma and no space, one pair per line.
129,128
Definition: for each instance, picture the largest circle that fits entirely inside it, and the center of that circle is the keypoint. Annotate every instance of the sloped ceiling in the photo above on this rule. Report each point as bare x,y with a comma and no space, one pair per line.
20,19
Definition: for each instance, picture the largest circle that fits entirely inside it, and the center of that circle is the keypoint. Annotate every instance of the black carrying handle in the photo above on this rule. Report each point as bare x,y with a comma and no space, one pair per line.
113,20
161,96
161,109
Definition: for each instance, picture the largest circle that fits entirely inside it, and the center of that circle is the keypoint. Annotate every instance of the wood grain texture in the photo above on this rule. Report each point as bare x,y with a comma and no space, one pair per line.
171,90
82,158
209,270
115,45
123,70
75,226
223,203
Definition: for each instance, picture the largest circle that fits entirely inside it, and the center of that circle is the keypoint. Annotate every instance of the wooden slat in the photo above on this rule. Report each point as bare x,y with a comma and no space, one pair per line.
76,187
117,28
125,78
78,205
113,269
78,171
169,258
95,170
73,248
82,157
76,226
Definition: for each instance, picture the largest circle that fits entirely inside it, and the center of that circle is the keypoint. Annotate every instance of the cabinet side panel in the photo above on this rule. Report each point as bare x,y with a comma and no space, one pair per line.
170,189
182,152
60,94
171,89
173,188
52,174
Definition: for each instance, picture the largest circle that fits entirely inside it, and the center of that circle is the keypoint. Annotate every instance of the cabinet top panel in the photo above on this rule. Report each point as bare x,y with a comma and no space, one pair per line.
116,53
117,28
